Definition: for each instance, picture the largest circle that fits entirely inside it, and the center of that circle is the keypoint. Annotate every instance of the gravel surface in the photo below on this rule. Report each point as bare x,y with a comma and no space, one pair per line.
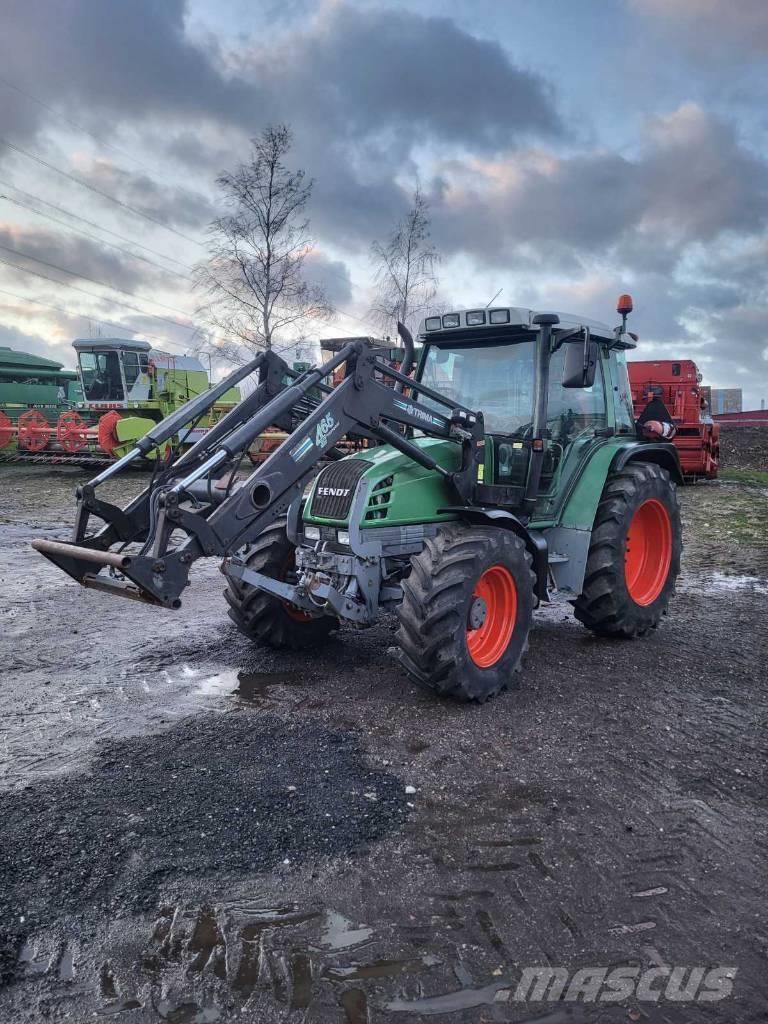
210,795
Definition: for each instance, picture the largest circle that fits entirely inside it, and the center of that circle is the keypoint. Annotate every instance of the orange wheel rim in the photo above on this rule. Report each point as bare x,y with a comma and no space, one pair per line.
492,616
648,552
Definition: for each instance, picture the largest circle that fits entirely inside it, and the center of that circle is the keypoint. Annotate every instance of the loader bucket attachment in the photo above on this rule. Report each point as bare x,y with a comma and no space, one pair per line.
85,564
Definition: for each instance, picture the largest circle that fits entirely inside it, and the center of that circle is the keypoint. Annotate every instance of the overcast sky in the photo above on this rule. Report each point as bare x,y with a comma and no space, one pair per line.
571,150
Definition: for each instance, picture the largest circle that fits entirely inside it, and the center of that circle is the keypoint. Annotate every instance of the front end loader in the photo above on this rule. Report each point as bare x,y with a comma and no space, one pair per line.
507,471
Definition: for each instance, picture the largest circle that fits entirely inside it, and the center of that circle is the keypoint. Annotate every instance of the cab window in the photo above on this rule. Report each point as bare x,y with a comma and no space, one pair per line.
573,411
497,379
624,410
130,368
102,380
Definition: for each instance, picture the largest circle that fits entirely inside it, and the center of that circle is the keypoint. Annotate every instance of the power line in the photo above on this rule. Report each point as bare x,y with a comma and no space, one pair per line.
102,298
84,277
87,316
349,316
99,192
95,238
93,224
79,127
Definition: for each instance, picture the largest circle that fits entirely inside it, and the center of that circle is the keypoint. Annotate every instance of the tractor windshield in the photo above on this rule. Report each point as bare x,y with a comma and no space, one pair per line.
499,379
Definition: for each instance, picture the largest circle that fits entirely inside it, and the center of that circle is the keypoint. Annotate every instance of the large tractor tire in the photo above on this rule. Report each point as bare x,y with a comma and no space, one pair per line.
634,554
267,619
466,612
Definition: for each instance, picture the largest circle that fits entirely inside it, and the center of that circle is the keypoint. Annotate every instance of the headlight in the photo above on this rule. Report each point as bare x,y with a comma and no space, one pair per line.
499,316
343,537
312,532
451,320
475,317
433,323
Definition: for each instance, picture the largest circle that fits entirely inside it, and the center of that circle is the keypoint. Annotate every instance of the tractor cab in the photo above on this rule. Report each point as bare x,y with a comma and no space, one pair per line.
113,371
490,360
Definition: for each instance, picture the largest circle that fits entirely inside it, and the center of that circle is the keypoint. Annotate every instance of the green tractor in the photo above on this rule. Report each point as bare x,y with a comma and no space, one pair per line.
508,471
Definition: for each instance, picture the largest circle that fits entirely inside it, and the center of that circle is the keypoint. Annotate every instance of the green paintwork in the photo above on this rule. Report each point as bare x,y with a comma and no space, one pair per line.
416,493
129,429
27,380
578,503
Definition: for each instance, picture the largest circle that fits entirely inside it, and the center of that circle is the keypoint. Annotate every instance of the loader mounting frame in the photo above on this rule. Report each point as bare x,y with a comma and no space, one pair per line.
159,571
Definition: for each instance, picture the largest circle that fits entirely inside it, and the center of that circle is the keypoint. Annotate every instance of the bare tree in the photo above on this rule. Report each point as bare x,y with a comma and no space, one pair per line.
253,280
406,268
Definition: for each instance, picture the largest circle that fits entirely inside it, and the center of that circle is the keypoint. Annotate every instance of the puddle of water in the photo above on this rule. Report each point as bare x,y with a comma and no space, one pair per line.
29,963
355,1005
464,894
221,682
67,966
630,929
704,582
450,1002
508,865
187,1013
660,890
257,687
122,1007
470,998
301,973
338,932
378,969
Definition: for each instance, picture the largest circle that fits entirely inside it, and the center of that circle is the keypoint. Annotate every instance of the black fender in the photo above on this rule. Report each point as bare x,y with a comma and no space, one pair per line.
534,541
664,455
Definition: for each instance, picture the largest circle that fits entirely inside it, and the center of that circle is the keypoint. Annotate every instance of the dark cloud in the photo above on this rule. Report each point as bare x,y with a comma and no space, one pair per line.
331,275
692,182
352,73
173,205
367,72
85,259
132,58
361,87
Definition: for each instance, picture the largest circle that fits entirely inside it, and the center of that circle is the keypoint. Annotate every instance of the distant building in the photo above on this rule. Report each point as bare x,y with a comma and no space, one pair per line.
725,400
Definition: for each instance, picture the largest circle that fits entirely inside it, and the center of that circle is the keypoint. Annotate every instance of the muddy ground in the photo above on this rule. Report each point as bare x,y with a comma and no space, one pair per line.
194,830
744,447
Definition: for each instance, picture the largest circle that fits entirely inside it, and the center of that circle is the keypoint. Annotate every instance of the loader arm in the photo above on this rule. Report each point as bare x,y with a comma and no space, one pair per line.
131,523
159,571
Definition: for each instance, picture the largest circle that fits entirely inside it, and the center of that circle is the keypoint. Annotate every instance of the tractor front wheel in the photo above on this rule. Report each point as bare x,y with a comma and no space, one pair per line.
466,612
265,618
634,553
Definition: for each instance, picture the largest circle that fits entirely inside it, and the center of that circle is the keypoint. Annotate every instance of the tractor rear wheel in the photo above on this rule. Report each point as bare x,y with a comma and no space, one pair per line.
634,554
466,612
265,618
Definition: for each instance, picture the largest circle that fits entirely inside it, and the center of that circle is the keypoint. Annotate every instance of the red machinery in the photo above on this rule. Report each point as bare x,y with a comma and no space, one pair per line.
678,385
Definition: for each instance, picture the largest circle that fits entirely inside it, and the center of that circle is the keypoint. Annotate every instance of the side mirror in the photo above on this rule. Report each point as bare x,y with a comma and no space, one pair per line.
580,364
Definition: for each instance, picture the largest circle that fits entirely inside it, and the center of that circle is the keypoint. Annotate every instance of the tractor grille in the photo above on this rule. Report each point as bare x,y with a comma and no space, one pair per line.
335,488
378,502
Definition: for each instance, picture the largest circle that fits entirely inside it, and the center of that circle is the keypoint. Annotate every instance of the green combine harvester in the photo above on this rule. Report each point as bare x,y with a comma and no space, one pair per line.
121,389
508,472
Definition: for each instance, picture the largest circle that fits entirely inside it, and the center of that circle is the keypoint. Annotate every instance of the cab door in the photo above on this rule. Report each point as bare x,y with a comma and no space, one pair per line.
573,416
